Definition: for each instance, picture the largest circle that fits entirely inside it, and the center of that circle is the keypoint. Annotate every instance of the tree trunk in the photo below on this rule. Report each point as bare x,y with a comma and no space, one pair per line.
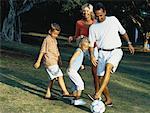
11,29
17,32
0,19
8,24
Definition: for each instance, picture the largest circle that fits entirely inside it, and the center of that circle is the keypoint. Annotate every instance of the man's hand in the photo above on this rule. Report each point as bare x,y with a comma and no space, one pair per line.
94,61
131,49
37,65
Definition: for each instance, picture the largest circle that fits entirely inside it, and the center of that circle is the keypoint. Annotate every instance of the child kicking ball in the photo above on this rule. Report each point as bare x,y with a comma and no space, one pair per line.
74,65
50,54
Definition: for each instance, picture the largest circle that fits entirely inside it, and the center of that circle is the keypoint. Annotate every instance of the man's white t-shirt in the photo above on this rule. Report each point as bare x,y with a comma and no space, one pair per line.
106,33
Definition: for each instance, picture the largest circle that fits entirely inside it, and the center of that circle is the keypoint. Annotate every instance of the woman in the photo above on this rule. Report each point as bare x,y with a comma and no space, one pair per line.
82,28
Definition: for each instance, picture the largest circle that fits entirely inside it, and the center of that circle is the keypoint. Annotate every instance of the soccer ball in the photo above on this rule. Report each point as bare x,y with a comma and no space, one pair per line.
97,106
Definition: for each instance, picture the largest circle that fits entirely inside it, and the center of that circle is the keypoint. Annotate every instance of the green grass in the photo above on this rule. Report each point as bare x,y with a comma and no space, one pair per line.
22,88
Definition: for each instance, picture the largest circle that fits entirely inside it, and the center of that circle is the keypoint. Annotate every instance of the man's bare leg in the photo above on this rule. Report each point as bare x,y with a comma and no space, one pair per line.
105,81
96,78
106,93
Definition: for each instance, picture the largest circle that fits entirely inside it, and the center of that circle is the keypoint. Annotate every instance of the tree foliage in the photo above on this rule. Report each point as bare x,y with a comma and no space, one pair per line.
11,29
69,5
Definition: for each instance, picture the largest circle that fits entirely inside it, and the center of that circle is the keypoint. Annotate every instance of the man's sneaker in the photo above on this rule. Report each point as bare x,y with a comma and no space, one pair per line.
109,105
79,102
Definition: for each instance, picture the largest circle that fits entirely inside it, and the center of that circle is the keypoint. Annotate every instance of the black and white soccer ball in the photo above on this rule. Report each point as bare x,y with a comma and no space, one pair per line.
97,106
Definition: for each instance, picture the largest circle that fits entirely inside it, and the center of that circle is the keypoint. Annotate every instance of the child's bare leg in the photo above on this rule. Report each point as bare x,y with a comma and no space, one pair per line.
78,94
62,85
77,100
48,92
74,93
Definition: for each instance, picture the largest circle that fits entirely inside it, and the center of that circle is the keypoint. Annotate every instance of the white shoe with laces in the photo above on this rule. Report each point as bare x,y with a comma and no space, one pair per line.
79,102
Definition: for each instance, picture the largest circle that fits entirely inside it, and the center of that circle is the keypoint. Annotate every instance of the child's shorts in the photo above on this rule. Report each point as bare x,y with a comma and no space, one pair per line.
54,71
77,82
105,57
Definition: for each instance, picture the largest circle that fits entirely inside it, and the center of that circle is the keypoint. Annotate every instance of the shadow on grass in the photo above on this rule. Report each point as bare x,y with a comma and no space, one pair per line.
68,101
126,98
20,79
136,74
25,82
9,79
84,108
137,67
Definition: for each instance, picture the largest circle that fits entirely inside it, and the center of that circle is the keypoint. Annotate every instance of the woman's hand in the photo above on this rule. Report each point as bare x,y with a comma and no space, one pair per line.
70,39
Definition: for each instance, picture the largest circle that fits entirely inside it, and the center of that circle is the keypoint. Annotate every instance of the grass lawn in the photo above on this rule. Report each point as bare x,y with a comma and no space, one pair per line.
22,87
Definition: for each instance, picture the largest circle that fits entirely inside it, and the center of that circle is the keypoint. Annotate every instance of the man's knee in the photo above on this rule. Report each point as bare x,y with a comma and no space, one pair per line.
101,79
109,67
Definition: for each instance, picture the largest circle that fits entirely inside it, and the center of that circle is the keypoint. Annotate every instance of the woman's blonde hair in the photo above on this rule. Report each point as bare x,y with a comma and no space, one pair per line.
90,8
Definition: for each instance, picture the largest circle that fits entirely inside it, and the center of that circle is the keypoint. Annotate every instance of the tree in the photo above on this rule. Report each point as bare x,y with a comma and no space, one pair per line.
69,5
11,29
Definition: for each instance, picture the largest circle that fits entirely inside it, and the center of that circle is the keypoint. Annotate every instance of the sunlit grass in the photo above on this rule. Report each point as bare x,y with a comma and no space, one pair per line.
22,88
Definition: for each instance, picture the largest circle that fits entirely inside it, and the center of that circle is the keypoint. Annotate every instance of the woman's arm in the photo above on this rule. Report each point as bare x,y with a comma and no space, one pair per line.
77,33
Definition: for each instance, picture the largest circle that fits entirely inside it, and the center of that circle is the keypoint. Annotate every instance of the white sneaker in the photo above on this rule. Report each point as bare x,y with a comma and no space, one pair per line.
79,102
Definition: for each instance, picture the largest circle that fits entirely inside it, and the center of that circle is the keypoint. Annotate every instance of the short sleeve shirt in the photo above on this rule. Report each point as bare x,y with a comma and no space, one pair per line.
106,33
50,50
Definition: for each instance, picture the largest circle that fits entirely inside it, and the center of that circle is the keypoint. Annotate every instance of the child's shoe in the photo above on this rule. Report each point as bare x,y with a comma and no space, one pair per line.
79,102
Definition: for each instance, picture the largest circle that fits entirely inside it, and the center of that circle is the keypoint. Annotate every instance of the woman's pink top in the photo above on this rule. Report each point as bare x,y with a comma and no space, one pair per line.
82,28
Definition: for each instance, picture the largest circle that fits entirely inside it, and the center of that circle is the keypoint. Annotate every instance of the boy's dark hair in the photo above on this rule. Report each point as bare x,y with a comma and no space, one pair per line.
99,6
55,26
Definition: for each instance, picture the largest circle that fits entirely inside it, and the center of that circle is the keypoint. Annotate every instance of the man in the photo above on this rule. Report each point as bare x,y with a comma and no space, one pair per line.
105,32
